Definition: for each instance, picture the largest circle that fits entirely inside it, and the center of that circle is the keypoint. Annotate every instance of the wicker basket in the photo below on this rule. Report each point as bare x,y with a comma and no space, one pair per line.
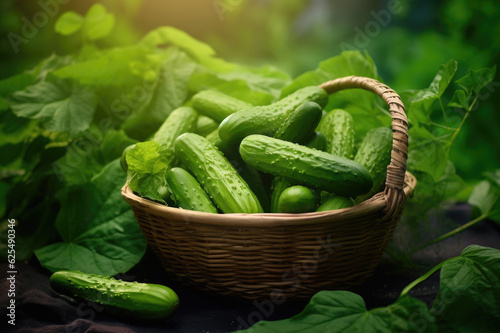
283,256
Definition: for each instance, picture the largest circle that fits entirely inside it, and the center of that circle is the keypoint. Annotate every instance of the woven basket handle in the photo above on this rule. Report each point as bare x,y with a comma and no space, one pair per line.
397,168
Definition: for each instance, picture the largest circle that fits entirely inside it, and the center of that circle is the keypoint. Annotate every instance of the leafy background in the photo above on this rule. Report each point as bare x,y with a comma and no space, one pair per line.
93,79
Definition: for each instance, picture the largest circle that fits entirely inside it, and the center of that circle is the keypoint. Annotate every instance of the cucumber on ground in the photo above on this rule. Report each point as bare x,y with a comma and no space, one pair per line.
338,128
128,300
267,119
336,202
297,199
217,105
374,153
217,176
187,192
305,165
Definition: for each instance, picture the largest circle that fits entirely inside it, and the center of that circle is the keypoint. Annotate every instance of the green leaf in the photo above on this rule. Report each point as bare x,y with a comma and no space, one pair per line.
169,93
344,311
15,83
113,145
69,23
257,86
60,106
99,231
420,103
80,163
486,197
426,153
98,22
49,65
460,100
469,292
15,129
477,80
112,68
199,51
147,166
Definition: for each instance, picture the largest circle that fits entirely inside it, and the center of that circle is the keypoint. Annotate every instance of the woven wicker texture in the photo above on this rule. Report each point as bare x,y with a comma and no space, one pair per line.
283,256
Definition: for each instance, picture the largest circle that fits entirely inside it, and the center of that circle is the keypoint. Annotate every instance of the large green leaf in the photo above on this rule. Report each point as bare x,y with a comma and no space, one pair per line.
169,93
111,68
344,311
469,292
420,103
486,197
259,86
99,231
60,106
426,153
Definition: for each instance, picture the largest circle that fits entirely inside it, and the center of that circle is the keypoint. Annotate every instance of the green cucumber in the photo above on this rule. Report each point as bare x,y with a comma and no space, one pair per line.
129,300
267,119
305,165
336,202
301,123
217,105
317,141
187,192
298,127
217,176
338,128
181,120
297,199
205,125
374,153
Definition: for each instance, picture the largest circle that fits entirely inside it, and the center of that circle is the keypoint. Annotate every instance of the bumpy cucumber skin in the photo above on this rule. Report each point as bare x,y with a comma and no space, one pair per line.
217,176
187,192
338,128
375,150
181,120
297,128
301,123
374,153
336,202
129,300
205,125
297,199
217,105
267,119
306,165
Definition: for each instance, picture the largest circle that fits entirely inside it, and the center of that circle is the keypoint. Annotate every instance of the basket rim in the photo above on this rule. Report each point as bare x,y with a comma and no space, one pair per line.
375,204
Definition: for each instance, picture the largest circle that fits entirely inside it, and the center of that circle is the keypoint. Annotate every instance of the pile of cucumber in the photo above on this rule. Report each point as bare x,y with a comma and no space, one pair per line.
228,156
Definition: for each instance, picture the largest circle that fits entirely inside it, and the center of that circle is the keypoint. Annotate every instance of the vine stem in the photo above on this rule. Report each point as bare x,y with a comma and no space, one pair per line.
454,231
462,123
424,277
